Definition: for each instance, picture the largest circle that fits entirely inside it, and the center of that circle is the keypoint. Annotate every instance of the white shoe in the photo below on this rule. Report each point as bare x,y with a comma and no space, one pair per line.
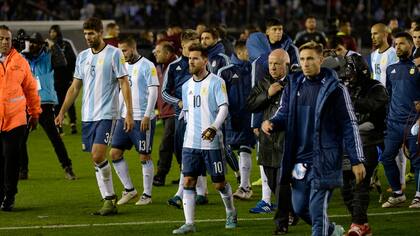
127,196
415,203
144,200
242,193
394,201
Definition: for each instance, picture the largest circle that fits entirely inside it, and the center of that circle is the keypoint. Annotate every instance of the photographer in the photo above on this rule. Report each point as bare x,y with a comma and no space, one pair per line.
43,57
370,99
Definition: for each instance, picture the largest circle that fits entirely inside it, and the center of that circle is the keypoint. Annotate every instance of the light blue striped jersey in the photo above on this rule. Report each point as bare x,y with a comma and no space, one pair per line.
99,73
380,61
201,100
141,74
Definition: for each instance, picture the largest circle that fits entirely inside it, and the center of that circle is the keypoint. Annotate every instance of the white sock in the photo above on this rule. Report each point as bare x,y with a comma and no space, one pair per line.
401,163
100,182
180,191
245,165
147,177
188,201
266,191
106,177
227,198
201,186
121,168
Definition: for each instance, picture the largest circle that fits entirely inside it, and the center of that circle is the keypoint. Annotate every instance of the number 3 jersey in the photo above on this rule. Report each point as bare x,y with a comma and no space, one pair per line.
201,101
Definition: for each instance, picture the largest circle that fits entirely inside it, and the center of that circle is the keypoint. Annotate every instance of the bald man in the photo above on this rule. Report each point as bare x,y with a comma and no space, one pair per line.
265,97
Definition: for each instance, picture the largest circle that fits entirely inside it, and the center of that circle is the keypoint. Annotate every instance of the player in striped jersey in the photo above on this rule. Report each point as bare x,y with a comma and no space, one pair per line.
99,69
144,88
205,103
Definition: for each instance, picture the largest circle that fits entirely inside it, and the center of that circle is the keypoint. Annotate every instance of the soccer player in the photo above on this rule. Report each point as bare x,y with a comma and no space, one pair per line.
144,89
403,84
205,103
176,75
239,135
381,58
99,69
210,39
318,114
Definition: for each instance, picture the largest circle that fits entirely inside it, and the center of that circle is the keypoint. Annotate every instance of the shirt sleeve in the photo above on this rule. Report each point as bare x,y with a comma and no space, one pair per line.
220,93
118,64
151,77
77,70
185,96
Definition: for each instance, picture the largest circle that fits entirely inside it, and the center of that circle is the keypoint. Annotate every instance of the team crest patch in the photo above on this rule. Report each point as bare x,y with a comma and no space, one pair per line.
122,60
412,70
203,91
100,61
224,88
154,73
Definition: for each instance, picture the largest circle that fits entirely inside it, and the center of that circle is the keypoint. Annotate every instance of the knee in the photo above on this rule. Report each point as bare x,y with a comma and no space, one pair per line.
115,154
189,182
144,158
219,186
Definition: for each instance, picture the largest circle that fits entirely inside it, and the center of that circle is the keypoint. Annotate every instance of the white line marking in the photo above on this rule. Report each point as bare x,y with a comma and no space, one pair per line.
179,221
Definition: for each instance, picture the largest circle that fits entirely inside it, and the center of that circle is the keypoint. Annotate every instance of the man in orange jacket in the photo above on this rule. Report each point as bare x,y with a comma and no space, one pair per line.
18,92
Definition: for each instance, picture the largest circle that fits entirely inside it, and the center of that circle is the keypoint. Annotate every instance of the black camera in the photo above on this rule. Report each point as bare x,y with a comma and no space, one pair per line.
18,42
345,67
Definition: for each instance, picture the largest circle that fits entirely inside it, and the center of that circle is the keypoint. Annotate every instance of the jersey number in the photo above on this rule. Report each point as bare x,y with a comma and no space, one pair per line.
218,167
377,69
197,101
106,140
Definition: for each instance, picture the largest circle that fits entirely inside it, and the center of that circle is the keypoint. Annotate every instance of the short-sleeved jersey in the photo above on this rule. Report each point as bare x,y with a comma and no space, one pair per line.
380,61
201,100
141,75
99,73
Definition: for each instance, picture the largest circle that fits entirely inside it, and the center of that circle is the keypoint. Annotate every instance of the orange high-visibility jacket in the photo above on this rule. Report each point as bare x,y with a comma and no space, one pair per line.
18,92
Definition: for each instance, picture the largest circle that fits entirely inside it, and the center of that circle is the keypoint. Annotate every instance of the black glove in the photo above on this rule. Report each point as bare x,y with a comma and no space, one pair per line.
209,133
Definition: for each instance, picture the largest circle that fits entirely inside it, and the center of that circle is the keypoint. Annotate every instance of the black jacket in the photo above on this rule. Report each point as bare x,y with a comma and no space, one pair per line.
270,147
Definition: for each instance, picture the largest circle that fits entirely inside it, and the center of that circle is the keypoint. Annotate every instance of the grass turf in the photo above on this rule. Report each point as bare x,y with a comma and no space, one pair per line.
48,204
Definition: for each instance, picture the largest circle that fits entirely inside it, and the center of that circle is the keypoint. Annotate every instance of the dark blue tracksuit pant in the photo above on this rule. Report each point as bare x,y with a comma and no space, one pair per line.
312,204
393,140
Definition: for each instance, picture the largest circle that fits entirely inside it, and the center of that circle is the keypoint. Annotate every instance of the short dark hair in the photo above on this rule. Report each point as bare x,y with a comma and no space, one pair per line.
167,46
111,25
213,31
417,28
130,41
5,27
312,45
240,44
93,23
405,35
273,22
337,40
189,35
310,17
197,47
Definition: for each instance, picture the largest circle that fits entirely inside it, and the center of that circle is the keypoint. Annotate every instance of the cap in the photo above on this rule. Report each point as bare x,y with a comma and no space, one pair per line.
36,38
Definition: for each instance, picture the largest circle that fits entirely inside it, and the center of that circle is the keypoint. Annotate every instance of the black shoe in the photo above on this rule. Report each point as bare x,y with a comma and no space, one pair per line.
280,230
8,204
293,220
175,181
73,128
159,180
23,175
68,171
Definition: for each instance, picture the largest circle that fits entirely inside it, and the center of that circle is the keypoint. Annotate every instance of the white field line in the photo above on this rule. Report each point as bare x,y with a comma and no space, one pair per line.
178,221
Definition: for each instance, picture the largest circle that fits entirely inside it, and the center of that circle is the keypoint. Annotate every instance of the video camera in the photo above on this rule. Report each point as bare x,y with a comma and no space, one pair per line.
18,42
346,67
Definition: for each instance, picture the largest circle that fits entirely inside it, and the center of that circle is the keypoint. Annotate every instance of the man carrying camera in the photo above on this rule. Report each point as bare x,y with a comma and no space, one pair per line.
370,99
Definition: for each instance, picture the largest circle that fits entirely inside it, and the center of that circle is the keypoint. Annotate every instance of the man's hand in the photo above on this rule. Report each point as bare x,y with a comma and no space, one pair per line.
59,119
180,104
417,104
128,123
144,126
50,43
209,133
274,88
33,122
256,131
359,172
267,127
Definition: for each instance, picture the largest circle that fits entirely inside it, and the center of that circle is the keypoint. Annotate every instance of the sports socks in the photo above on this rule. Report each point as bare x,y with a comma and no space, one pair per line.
226,194
148,169
100,182
104,169
188,201
266,191
180,191
245,165
201,186
121,168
